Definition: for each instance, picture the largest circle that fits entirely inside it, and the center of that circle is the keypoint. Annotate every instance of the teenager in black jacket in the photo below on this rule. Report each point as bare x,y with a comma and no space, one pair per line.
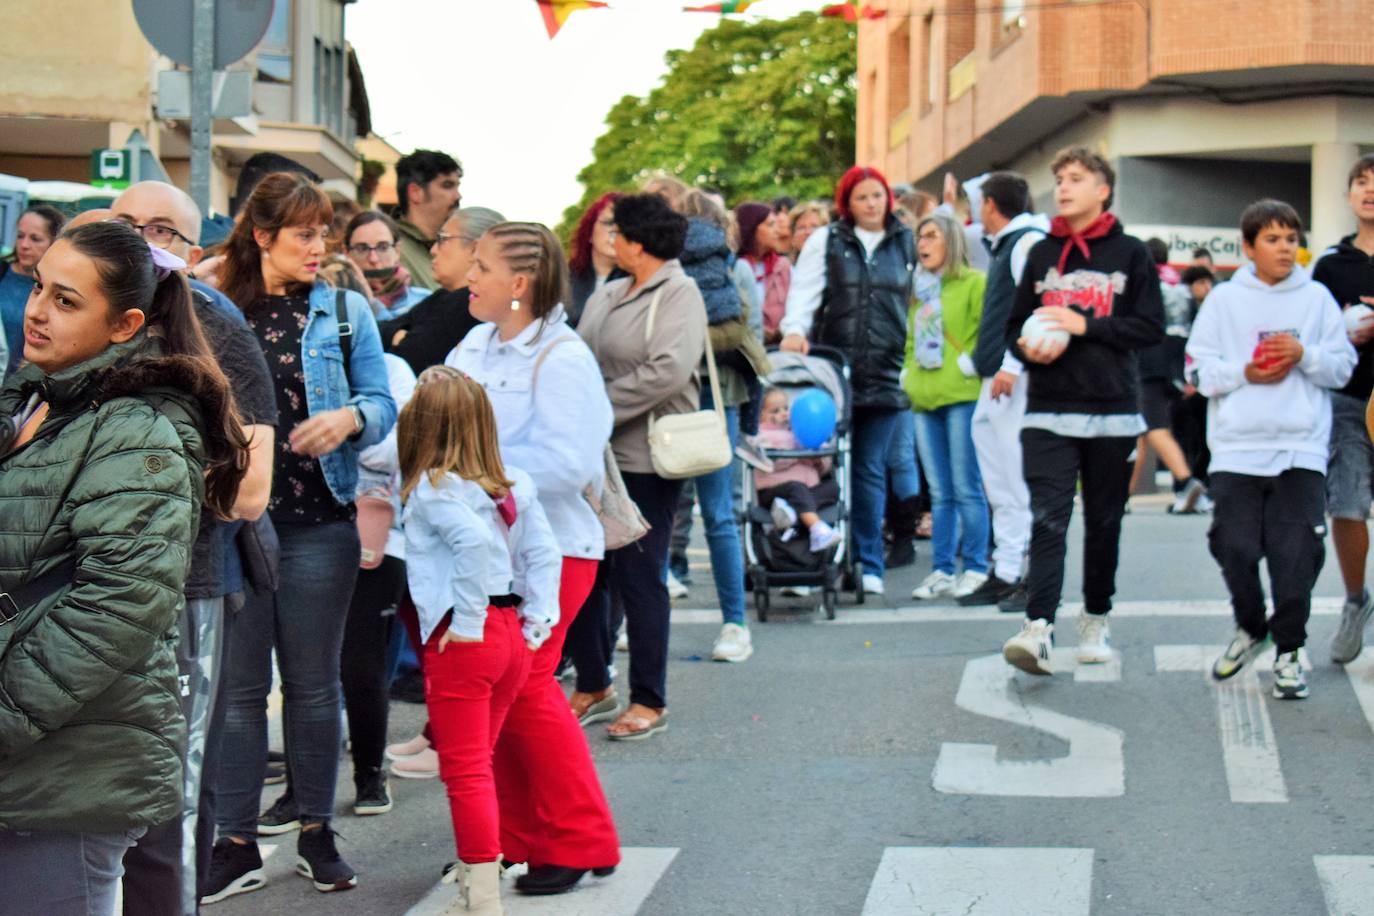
1091,280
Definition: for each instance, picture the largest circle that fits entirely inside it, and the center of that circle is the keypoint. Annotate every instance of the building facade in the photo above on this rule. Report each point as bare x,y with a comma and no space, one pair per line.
1201,108
81,77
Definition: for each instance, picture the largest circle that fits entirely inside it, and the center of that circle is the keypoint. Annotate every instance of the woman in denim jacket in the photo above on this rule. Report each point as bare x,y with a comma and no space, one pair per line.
333,400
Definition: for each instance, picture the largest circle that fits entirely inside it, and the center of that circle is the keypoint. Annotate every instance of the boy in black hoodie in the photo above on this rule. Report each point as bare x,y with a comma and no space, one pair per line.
1091,280
1347,270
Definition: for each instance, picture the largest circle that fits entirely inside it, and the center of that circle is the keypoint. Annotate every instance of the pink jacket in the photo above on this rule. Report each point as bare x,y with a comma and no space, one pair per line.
806,471
775,295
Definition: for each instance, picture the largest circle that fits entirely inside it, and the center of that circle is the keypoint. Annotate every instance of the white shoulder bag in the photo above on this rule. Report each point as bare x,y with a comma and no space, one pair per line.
689,444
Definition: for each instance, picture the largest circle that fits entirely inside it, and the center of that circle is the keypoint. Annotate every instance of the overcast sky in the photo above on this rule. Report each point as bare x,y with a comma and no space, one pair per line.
481,80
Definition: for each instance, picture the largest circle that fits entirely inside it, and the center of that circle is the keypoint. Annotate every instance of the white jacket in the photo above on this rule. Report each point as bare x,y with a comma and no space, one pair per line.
459,555
556,431
1295,414
379,466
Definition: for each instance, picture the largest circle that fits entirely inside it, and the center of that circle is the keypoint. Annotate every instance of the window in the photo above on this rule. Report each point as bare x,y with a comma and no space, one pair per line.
274,52
931,77
898,71
1013,11
330,84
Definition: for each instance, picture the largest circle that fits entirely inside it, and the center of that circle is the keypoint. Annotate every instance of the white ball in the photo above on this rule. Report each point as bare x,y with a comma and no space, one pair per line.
1038,333
1355,317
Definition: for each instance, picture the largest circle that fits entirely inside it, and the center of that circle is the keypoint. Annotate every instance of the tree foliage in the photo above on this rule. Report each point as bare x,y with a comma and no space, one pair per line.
756,109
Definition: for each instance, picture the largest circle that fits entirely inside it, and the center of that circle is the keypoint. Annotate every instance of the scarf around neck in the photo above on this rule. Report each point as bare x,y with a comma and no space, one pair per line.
1060,229
930,322
389,284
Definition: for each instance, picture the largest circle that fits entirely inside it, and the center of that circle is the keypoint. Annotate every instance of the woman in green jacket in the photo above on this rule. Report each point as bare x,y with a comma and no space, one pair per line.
939,377
113,434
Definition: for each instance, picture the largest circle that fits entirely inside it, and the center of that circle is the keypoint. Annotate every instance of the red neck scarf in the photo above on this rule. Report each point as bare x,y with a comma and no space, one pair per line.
769,261
505,507
1059,228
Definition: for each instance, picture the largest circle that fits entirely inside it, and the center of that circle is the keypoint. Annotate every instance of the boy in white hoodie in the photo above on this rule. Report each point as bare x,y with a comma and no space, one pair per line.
1267,348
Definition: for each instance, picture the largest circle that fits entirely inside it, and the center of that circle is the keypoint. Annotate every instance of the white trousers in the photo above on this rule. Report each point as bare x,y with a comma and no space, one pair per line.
997,440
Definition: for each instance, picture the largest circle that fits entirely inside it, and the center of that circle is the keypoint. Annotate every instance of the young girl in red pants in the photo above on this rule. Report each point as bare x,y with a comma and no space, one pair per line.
473,531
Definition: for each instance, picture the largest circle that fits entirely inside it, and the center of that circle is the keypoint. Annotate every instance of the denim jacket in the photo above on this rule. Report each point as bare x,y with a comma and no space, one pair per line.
365,387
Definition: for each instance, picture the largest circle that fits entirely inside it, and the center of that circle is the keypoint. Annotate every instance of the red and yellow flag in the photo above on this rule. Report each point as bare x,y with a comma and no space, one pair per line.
853,10
725,8
556,12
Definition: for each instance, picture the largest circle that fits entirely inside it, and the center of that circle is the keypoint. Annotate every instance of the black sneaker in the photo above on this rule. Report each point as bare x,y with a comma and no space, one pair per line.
991,591
282,817
1015,601
235,868
372,797
276,769
318,860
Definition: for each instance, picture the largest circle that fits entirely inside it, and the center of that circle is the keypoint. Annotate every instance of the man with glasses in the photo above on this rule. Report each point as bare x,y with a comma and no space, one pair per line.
426,193
160,872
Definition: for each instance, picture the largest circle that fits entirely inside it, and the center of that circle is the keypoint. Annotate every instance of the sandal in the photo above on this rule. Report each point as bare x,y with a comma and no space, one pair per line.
925,528
635,726
596,710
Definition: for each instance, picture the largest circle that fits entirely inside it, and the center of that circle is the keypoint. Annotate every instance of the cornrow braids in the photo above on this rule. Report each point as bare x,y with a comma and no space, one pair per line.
531,249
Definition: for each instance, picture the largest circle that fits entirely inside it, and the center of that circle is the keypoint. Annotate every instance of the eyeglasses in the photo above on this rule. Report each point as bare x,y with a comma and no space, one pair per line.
381,248
159,234
443,237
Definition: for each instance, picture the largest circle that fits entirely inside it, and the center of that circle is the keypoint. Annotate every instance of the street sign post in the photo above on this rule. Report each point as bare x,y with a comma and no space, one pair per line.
207,35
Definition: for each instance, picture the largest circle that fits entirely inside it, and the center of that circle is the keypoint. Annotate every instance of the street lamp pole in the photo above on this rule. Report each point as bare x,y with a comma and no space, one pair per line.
202,98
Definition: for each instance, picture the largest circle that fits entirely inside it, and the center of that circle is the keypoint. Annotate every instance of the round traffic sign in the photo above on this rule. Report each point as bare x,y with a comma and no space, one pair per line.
239,26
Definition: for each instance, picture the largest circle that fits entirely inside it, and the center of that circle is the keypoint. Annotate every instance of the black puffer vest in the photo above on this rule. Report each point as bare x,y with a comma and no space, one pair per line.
864,310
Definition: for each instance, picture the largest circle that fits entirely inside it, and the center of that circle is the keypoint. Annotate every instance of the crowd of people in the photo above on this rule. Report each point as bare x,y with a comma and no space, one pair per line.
336,430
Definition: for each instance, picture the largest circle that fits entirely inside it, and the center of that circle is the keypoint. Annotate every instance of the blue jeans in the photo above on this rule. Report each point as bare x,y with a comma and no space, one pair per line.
715,492
59,873
958,506
902,465
304,620
874,430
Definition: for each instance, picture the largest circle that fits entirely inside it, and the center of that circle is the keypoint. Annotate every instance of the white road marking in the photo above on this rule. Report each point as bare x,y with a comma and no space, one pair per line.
930,881
1093,768
1249,748
621,894
1361,674
943,613
1347,883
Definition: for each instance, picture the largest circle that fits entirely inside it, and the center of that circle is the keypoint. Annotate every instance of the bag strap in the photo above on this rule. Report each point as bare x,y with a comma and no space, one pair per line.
539,362
345,329
35,590
950,340
710,354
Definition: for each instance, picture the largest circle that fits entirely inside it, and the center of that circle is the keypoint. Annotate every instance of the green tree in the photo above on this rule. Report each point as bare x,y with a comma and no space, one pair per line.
756,109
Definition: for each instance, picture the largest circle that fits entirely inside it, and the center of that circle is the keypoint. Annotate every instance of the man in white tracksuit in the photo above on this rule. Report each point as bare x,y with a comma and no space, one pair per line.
1011,232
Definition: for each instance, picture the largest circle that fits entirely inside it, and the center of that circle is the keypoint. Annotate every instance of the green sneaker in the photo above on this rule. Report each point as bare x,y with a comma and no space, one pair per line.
1242,650
1290,681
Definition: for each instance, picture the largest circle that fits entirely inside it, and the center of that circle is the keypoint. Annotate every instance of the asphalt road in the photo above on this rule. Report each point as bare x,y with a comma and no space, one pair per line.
893,765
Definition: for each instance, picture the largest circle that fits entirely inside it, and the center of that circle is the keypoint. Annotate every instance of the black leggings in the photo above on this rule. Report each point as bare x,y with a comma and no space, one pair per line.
367,632
801,497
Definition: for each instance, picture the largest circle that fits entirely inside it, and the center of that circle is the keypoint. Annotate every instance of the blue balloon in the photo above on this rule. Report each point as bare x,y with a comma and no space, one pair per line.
813,418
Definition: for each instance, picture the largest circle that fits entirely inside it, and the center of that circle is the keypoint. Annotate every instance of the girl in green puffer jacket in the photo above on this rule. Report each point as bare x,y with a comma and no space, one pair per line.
112,435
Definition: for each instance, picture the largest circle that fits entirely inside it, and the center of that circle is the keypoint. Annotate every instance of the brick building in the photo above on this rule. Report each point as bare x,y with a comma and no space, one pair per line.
1201,106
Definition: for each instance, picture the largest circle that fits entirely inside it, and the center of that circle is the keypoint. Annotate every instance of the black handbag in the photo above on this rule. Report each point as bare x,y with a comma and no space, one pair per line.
260,551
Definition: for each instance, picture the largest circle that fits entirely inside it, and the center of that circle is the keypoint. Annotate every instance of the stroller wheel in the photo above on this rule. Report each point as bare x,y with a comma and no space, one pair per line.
828,599
856,579
761,604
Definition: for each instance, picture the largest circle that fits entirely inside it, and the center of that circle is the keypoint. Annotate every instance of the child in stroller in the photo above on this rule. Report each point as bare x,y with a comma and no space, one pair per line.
796,489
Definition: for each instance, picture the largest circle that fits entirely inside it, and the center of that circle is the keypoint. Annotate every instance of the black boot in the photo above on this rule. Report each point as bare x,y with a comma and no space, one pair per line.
555,879
902,516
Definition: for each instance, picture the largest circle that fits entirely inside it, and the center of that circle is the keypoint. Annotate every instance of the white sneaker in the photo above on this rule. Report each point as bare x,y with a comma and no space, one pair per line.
1093,648
675,588
1030,649
733,644
936,585
968,583
796,591
873,585
622,641
405,749
823,537
784,516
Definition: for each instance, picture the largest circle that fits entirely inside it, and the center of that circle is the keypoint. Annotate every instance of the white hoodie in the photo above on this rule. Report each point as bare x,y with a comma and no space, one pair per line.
1266,429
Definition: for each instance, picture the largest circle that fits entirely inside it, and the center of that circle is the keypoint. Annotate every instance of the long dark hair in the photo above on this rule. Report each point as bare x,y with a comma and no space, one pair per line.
280,200
129,279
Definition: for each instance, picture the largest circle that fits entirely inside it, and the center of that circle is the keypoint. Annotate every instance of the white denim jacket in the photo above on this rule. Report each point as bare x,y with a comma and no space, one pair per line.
555,430
459,555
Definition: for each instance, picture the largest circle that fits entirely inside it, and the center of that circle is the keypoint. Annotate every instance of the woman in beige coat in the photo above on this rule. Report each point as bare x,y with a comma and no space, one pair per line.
645,374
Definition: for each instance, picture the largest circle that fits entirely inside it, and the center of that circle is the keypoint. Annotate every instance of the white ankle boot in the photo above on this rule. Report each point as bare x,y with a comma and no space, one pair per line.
480,893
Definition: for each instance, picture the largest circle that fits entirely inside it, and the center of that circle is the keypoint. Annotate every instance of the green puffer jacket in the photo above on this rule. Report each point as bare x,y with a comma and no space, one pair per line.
90,711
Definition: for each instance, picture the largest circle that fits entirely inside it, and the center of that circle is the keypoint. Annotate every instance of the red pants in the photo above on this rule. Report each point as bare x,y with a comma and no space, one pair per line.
553,811
469,689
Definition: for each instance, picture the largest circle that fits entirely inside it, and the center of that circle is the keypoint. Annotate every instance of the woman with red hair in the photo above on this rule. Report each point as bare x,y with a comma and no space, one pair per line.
850,290
761,247
591,256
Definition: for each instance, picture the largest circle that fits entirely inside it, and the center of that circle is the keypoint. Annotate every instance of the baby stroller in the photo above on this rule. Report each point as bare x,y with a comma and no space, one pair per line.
771,561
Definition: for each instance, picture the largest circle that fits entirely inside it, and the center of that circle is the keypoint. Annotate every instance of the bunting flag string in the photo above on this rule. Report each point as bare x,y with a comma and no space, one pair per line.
724,9
853,11
556,12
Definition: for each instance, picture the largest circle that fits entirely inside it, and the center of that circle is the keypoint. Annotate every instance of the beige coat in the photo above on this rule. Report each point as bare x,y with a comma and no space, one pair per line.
658,375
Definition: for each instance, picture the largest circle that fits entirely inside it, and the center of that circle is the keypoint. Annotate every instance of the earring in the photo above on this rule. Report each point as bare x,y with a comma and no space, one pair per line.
515,305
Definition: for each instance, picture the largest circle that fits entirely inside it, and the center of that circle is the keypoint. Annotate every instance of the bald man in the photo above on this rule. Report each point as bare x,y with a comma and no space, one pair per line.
161,871
97,215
